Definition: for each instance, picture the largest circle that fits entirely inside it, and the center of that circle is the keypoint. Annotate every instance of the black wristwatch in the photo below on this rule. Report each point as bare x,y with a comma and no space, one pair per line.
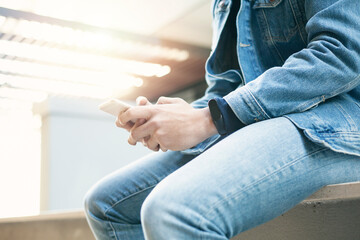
217,117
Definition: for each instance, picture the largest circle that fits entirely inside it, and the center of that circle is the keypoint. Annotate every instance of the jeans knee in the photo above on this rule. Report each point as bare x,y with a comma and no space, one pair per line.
170,212
153,211
95,203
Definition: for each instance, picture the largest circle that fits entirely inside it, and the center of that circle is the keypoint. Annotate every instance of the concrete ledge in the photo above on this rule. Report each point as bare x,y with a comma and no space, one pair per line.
50,216
332,213
337,191
52,226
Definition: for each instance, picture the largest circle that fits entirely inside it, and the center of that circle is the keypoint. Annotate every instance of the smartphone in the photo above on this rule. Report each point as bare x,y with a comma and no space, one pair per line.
114,106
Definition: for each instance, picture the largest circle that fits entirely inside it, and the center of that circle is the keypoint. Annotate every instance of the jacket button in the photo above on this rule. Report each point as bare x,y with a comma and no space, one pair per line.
222,4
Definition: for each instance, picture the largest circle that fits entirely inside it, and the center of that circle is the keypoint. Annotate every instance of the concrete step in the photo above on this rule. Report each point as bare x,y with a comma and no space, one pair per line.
52,226
333,213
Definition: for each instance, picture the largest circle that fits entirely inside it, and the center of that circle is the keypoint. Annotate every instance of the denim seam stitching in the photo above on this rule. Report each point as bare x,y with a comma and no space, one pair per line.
251,185
316,100
267,5
220,76
358,104
123,199
346,87
308,104
337,133
296,20
252,108
284,167
346,116
271,38
113,229
264,114
127,197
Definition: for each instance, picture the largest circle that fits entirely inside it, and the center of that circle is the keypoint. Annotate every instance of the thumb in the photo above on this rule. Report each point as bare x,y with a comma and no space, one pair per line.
141,101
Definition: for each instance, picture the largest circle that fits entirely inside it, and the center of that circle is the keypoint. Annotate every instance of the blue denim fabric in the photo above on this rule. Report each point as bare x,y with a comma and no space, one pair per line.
296,58
250,177
293,58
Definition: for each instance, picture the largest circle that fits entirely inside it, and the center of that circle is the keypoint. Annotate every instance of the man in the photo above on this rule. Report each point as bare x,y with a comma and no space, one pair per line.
279,120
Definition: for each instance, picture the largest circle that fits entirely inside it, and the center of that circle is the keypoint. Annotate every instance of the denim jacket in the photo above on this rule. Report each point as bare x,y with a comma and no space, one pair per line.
294,58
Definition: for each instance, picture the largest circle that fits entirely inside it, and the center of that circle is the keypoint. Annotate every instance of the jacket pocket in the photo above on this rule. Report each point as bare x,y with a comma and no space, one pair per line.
266,3
279,20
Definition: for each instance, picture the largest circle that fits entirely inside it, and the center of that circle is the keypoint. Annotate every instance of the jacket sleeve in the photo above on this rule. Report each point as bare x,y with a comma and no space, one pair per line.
216,88
327,67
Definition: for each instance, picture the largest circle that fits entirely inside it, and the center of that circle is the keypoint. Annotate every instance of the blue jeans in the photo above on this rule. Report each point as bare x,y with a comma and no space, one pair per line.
248,178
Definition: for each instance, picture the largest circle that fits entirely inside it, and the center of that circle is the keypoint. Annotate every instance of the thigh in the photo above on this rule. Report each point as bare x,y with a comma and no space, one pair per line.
252,176
118,197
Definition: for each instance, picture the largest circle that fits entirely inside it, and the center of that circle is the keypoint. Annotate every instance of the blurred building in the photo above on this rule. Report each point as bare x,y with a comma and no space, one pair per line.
58,61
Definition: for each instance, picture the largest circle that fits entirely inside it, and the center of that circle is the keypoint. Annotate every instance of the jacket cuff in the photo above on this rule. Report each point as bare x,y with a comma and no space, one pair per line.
245,106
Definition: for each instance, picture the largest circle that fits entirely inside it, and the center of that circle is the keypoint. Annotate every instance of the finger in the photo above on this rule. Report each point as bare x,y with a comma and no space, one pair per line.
144,140
168,100
138,123
126,126
163,149
152,144
135,113
131,125
141,100
140,132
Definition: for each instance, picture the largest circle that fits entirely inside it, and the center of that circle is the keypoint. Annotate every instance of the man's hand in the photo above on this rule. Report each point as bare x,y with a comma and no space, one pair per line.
170,124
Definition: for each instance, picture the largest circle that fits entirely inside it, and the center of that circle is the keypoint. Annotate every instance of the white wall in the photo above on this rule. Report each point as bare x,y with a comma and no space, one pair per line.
80,145
19,162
